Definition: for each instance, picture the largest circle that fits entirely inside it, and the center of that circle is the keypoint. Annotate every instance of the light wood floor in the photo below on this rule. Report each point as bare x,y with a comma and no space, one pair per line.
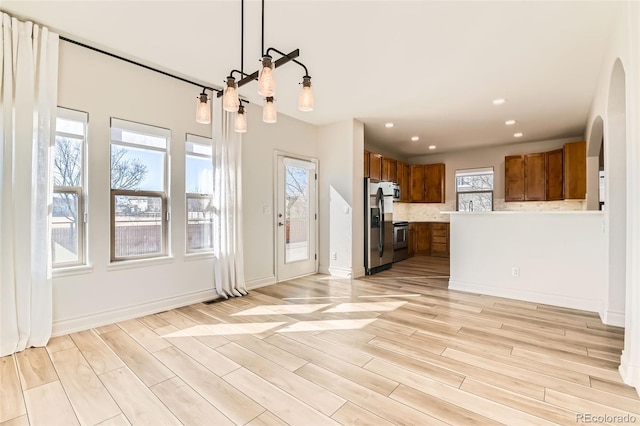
394,348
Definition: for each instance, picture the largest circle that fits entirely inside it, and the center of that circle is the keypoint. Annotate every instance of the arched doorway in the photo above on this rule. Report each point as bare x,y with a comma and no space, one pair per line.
615,144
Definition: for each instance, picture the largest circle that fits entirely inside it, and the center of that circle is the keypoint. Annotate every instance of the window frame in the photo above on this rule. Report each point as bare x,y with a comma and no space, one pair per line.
198,140
165,216
470,172
79,191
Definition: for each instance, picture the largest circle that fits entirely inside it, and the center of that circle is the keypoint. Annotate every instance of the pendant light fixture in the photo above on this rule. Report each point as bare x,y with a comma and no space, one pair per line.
230,99
269,113
305,98
266,82
240,122
203,109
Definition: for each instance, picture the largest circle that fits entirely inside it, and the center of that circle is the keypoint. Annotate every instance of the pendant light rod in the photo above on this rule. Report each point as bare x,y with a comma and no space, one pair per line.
306,72
242,37
254,76
262,47
147,67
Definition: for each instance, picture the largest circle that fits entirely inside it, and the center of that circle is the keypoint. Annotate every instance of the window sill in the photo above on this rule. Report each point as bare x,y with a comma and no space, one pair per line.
71,270
140,263
198,256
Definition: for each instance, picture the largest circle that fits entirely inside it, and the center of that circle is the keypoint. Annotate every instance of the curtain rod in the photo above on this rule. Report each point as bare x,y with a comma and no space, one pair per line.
113,55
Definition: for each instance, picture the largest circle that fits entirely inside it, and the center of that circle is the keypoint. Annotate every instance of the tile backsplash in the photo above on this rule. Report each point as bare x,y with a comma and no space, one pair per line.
427,212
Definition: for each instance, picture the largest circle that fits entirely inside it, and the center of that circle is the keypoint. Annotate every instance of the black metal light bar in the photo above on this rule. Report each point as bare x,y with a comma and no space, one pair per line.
113,55
254,76
306,72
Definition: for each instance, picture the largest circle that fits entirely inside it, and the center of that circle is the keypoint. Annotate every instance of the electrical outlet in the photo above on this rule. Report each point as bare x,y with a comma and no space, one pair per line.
515,271
334,256
266,209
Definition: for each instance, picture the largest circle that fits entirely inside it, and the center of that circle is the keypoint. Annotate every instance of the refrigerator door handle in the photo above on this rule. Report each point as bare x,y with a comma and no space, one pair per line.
380,199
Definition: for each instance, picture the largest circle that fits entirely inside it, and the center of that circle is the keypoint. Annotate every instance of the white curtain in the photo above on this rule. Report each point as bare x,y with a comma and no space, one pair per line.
28,95
227,203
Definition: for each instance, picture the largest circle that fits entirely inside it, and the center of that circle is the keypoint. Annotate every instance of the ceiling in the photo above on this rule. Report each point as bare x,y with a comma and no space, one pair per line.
432,68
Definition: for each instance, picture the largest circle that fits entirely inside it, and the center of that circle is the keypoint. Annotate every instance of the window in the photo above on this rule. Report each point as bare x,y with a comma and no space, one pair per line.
199,192
67,218
139,214
474,190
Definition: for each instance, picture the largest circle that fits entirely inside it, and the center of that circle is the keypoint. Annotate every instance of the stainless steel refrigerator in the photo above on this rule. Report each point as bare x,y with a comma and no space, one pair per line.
378,222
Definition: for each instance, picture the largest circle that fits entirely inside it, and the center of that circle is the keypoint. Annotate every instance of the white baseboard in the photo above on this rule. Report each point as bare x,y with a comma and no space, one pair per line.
340,272
260,282
630,373
85,322
528,296
613,318
360,272
324,269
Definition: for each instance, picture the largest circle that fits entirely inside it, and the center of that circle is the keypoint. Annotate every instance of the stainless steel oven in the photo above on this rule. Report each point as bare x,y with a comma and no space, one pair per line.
400,241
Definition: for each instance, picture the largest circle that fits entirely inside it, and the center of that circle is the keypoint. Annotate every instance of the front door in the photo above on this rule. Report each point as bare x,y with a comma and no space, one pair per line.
296,218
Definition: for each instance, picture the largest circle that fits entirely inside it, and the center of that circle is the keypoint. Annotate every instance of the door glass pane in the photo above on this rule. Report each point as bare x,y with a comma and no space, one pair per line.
64,228
296,214
138,225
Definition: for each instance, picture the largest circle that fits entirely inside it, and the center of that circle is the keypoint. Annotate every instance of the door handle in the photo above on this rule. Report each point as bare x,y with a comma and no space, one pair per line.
280,224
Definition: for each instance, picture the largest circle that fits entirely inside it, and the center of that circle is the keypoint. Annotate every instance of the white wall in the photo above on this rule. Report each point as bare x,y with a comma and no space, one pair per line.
103,293
622,238
340,147
289,136
559,256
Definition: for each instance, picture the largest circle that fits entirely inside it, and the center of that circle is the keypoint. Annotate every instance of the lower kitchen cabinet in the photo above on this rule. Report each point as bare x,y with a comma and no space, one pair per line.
429,239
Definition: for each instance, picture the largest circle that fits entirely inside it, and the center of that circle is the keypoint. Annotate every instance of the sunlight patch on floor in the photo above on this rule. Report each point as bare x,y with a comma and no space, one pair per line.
350,324
226,329
365,307
283,309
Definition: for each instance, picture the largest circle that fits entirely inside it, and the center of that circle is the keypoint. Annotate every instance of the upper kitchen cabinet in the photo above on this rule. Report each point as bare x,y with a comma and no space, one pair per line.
389,169
554,175
427,183
416,188
366,163
434,183
514,178
404,180
575,170
525,177
535,177
554,163
375,166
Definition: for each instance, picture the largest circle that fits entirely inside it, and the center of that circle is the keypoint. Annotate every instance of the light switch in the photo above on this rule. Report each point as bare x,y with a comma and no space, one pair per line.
266,209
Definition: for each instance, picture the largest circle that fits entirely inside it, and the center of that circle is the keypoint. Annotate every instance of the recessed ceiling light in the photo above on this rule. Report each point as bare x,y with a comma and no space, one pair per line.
517,135
499,101
510,122
415,138
388,125
432,147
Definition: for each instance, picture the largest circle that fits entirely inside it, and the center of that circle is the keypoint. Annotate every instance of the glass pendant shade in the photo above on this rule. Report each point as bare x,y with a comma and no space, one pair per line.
230,100
240,122
305,98
269,113
203,110
266,79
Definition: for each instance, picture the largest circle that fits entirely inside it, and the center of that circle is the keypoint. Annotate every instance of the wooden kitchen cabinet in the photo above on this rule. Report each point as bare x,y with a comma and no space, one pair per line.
535,177
554,164
427,183
404,180
439,239
389,169
429,239
525,177
434,176
575,170
375,166
416,188
366,163
514,178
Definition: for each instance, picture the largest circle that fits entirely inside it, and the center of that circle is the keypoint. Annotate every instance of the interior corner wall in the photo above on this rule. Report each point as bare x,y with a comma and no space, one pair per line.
259,145
338,194
625,47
